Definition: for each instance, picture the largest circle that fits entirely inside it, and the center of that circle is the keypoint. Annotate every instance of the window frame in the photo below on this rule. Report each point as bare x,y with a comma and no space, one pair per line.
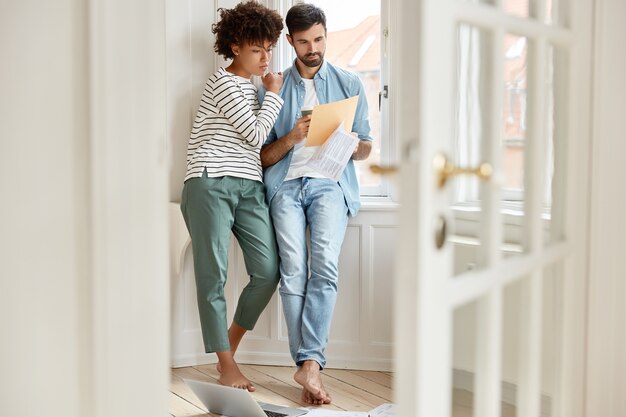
283,58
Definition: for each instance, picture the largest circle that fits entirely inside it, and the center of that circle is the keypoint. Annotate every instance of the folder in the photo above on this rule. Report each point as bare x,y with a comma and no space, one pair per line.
327,117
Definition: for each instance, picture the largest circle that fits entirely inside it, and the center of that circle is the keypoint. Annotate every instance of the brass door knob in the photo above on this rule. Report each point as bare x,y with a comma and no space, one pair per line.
446,170
384,171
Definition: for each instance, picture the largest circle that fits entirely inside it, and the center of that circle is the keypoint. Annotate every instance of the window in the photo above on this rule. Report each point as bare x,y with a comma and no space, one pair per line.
357,42
472,98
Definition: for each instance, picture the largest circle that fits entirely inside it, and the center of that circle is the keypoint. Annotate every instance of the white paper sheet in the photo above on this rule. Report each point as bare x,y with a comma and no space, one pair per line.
384,410
331,158
320,412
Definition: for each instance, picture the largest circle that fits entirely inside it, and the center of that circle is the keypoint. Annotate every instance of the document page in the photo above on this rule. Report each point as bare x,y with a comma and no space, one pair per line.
384,410
321,412
331,158
326,117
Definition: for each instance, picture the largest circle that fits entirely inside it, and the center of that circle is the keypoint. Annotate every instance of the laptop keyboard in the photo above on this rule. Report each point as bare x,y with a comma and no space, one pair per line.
274,414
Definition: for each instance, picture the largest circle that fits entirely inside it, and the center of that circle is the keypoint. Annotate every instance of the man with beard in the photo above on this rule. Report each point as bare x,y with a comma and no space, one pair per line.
300,197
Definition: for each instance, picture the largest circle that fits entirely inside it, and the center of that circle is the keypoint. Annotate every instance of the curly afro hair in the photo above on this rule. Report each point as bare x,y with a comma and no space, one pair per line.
248,22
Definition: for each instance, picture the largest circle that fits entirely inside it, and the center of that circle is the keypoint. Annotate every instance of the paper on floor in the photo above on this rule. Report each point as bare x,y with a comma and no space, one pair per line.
320,412
384,410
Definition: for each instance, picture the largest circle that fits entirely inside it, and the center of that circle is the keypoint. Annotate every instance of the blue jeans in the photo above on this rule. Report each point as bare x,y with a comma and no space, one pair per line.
309,298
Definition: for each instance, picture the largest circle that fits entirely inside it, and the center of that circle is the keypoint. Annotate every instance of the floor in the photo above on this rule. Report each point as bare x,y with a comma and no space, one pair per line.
350,390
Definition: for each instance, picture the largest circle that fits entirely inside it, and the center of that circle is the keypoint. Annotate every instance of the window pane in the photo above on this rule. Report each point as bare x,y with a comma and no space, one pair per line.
354,39
514,117
557,12
491,2
472,110
516,7
549,11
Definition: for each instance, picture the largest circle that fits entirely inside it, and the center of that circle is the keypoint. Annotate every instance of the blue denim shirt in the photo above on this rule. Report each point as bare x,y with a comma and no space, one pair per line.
331,84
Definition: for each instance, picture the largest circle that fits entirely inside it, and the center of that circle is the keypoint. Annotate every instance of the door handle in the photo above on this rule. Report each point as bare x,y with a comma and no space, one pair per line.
385,171
383,93
410,154
445,169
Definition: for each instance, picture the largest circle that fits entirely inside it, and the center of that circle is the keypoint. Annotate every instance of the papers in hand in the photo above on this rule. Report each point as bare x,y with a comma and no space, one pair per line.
326,117
331,158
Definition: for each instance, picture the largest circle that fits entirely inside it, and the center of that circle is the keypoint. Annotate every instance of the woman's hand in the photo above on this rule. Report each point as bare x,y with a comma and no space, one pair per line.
272,81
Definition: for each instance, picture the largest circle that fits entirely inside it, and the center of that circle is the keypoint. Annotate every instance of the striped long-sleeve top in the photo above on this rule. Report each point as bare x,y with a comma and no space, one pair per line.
230,128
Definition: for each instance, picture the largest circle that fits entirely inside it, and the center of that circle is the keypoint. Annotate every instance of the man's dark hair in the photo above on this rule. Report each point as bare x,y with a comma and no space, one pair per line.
248,22
302,16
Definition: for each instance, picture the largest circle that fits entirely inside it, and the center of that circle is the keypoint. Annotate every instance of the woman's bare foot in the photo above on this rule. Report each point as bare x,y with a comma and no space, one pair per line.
233,377
230,374
313,392
235,334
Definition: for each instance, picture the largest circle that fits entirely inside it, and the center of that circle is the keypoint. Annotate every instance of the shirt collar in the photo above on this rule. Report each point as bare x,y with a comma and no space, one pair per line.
321,73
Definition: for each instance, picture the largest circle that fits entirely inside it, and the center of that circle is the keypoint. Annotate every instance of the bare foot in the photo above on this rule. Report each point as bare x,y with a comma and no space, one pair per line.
235,334
232,377
308,375
308,398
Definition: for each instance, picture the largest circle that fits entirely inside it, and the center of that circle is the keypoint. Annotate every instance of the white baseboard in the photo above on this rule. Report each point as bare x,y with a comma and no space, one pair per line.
283,359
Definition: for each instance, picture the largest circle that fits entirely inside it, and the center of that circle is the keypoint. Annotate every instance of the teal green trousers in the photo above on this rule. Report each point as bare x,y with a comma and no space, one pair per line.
212,209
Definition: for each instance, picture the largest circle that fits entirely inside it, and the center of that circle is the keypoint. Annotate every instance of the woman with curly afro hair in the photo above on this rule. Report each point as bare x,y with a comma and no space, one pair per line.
223,191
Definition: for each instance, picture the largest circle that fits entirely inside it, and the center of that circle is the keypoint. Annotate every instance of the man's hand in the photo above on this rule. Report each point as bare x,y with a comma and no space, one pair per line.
362,150
300,130
275,151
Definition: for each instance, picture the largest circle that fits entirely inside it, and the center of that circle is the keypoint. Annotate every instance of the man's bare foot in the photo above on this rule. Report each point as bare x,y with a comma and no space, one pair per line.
308,398
232,377
313,392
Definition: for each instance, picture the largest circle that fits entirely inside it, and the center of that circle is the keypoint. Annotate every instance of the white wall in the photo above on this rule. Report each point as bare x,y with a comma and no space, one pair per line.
43,230
190,61
606,367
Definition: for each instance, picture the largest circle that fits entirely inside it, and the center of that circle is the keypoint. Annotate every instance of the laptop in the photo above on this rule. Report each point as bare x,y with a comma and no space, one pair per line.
236,402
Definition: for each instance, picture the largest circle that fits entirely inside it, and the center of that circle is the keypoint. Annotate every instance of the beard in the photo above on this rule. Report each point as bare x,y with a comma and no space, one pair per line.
312,60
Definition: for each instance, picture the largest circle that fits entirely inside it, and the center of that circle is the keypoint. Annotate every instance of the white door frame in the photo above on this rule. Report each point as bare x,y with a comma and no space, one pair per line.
606,357
128,213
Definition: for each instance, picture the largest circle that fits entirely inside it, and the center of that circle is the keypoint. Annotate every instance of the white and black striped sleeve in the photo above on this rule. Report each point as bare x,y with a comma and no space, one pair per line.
231,102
